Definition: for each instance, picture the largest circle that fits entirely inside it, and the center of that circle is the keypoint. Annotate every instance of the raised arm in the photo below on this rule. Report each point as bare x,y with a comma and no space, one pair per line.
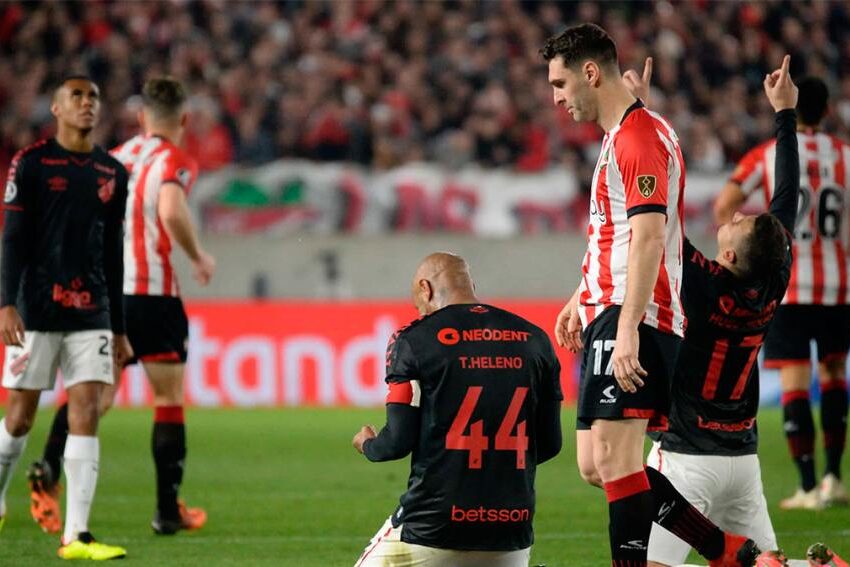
782,94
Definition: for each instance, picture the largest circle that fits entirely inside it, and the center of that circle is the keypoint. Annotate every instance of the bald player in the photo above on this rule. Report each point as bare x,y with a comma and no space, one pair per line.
474,395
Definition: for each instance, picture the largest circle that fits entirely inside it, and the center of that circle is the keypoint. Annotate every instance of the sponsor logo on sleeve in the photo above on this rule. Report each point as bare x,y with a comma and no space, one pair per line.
11,192
646,185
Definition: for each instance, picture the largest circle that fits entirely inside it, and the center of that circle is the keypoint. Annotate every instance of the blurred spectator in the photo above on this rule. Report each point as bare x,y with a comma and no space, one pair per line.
383,83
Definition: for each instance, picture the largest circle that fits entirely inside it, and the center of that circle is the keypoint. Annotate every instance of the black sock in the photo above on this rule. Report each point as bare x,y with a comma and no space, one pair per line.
169,452
54,448
631,509
800,433
833,419
680,517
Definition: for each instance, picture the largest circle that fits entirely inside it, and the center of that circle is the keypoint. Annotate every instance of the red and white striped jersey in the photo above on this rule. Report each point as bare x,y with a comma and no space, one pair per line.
151,162
640,169
820,273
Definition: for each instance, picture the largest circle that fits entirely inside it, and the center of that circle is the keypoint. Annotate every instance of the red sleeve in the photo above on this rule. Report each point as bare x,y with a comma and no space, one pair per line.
180,169
749,174
642,159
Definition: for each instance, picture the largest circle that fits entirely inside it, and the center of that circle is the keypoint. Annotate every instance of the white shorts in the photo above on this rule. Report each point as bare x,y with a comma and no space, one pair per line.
386,548
727,490
83,356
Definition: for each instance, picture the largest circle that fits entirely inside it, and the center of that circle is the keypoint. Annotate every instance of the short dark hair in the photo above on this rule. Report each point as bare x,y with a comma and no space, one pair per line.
812,101
766,248
73,77
164,96
579,43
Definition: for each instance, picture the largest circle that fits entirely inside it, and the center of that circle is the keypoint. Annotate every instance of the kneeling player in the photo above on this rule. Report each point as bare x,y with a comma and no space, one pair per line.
478,415
709,452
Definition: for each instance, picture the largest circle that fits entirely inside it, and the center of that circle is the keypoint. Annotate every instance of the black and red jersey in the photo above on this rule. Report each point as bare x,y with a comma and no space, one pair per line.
716,386
62,262
486,385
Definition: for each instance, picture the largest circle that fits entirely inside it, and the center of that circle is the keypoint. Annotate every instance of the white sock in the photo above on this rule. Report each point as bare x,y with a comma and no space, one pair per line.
81,458
10,451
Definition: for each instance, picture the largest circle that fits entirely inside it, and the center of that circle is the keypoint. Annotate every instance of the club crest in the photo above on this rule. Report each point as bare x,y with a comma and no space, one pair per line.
646,185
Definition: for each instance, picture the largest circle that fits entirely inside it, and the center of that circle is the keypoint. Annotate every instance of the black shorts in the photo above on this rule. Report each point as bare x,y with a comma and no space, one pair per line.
157,328
599,395
793,328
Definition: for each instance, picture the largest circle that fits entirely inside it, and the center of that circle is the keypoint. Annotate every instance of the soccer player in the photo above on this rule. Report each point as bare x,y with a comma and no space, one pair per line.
60,302
161,175
817,303
628,301
709,451
474,394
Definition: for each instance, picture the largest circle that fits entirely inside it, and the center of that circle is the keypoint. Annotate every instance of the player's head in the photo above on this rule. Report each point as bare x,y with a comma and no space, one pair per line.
581,58
812,102
76,104
750,245
442,279
163,107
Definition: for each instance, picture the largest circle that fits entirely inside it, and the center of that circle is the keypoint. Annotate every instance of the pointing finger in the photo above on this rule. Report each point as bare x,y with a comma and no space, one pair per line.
786,65
647,70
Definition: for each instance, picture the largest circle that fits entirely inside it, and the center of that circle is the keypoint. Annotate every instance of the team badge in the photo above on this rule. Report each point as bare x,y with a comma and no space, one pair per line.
106,189
11,192
185,177
646,185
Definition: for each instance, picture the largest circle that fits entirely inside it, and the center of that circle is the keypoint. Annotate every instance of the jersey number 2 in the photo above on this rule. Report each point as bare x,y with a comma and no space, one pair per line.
476,442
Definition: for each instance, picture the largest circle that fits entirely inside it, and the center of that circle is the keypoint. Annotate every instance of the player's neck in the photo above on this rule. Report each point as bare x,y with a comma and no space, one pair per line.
807,128
614,101
168,134
460,298
75,140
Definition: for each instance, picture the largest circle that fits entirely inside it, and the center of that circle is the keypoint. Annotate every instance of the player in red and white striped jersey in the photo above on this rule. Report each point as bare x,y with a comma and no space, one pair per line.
628,301
161,175
817,303
154,164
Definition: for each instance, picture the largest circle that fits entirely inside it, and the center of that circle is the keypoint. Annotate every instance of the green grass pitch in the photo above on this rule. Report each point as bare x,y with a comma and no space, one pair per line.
284,487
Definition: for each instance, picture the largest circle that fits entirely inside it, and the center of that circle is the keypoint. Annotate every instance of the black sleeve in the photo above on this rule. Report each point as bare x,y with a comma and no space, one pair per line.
696,269
549,437
787,186
113,253
17,230
548,427
398,437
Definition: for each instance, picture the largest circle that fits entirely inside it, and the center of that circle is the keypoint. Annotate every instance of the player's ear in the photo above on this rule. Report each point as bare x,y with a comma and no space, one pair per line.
590,71
140,116
730,256
425,290
184,119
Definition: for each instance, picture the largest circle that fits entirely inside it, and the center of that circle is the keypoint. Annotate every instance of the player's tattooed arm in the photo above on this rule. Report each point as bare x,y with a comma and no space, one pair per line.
396,440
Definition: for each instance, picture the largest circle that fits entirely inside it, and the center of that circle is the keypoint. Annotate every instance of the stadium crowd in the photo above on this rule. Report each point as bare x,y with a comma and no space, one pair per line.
385,83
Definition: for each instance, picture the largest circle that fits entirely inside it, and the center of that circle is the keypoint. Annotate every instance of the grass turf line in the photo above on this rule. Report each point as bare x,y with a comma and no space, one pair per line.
285,487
